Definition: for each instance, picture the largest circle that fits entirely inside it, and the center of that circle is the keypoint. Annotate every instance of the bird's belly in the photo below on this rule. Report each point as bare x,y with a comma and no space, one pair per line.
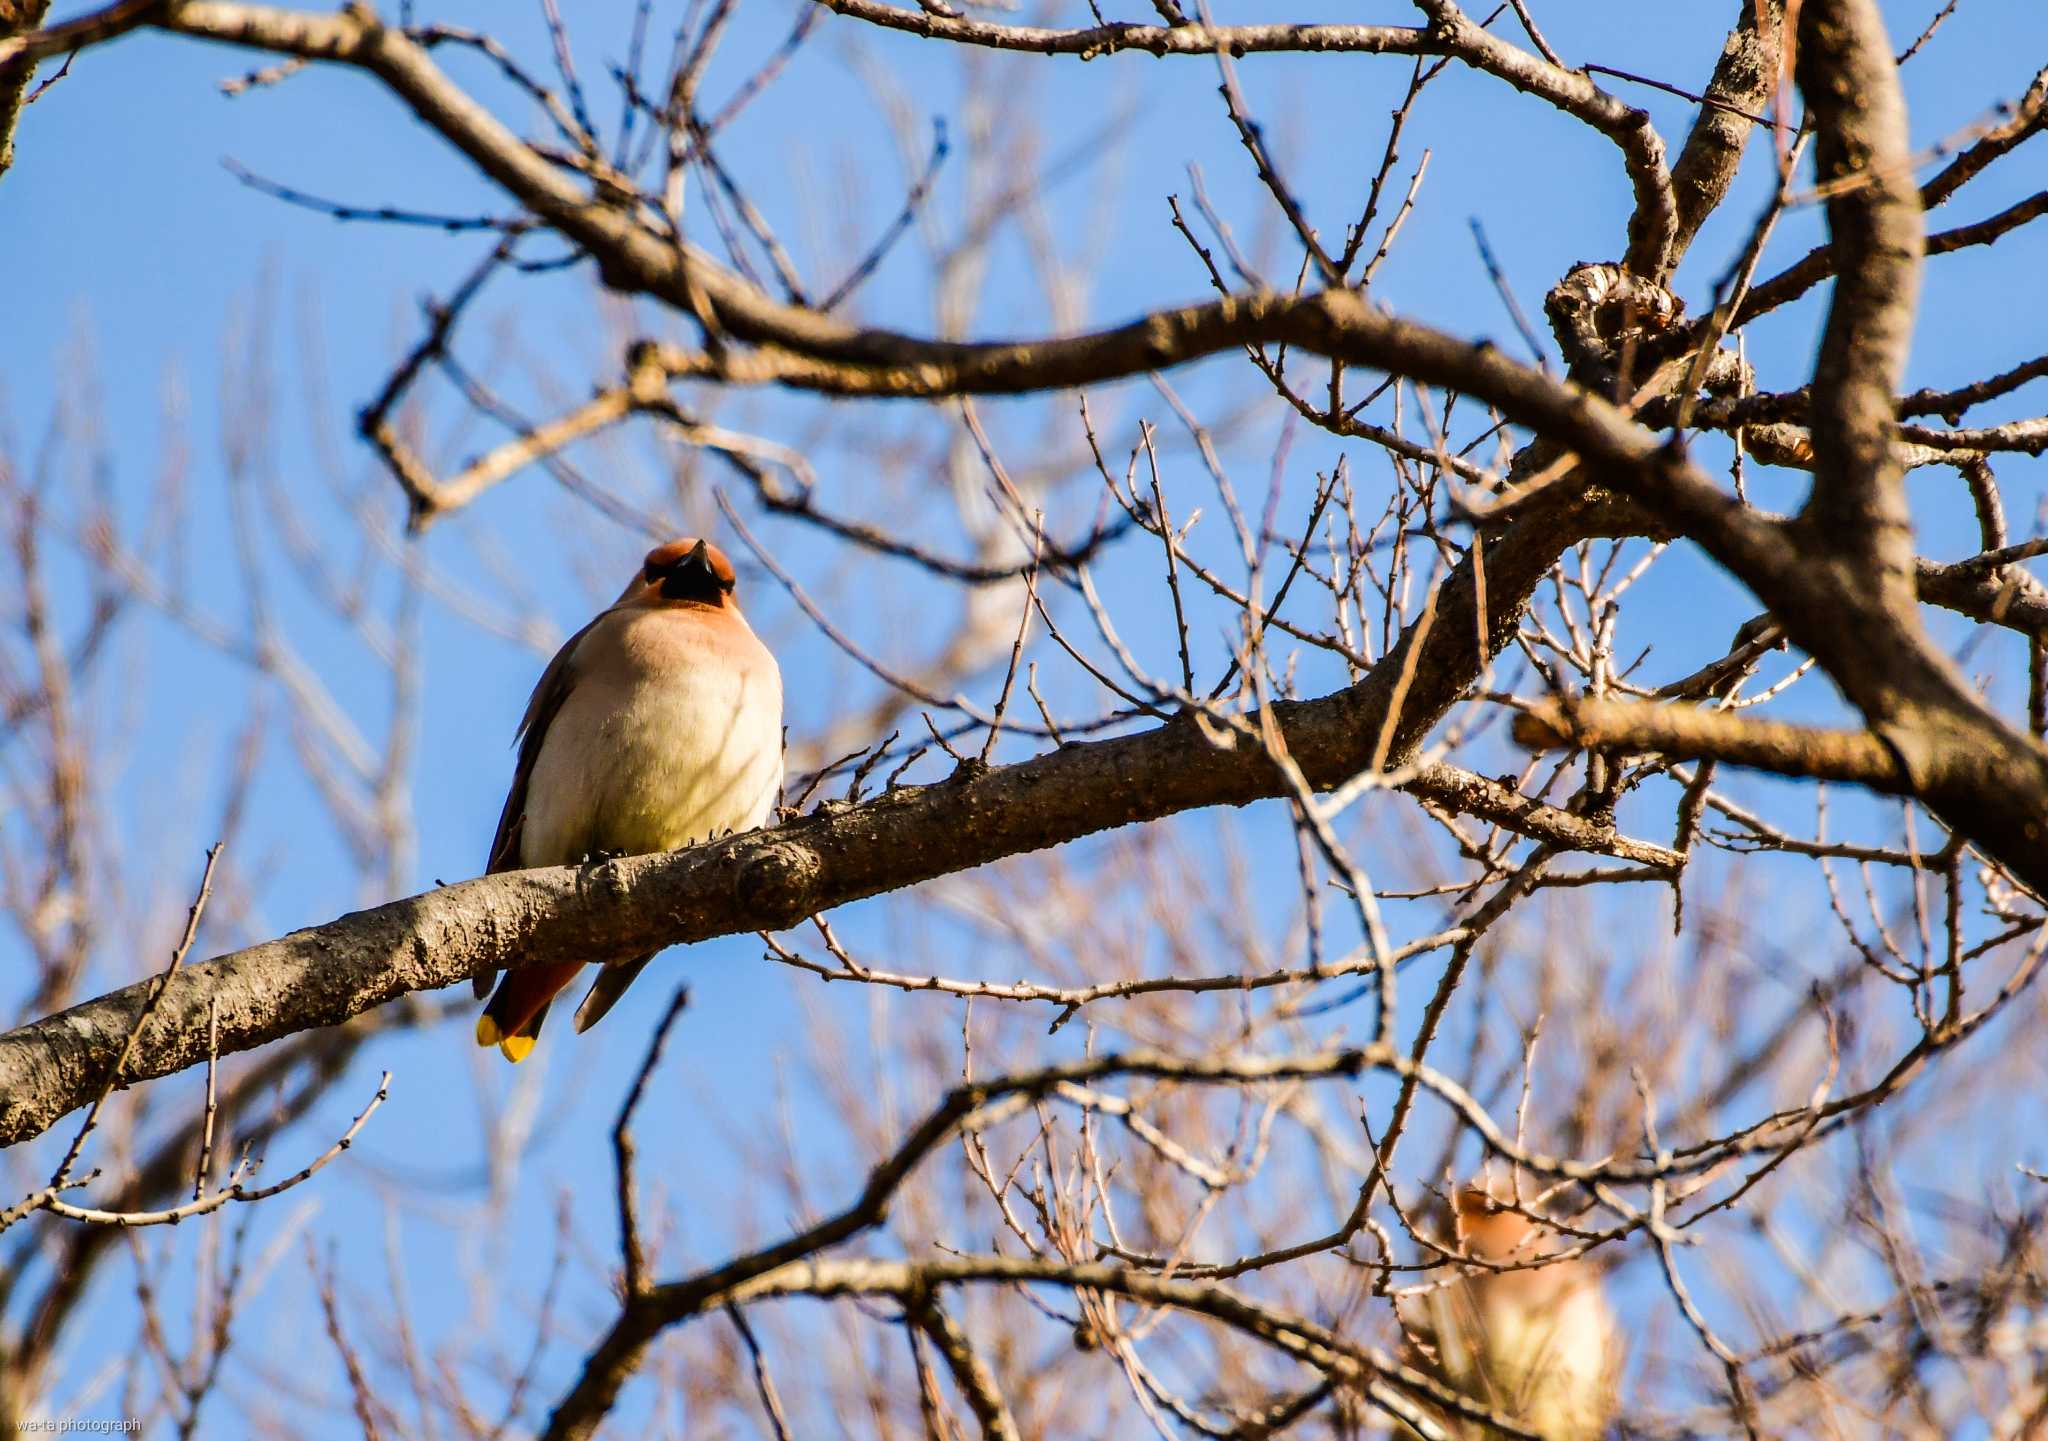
1551,1366
679,760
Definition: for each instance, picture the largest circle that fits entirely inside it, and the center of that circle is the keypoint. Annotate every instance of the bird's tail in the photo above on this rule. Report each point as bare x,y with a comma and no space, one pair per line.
512,1020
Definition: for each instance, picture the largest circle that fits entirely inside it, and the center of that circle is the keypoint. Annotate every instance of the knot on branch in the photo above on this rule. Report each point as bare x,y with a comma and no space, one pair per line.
1599,309
777,884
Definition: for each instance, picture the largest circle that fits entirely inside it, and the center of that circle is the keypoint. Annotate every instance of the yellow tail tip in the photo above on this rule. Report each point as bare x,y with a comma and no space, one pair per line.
487,1033
516,1048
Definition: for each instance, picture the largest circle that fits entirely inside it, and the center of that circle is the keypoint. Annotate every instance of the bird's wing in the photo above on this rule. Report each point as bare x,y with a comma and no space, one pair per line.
541,708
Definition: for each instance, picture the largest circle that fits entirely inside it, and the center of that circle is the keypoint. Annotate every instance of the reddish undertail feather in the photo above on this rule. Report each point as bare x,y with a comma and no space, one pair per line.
511,1022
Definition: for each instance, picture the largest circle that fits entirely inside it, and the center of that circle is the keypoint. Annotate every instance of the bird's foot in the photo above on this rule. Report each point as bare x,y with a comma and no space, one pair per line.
596,866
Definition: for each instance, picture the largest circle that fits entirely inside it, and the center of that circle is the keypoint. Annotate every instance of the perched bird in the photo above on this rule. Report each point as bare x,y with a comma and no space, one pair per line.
1538,1346
658,725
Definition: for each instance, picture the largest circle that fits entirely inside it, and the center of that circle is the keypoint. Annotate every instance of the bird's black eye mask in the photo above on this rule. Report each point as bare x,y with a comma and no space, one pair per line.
690,578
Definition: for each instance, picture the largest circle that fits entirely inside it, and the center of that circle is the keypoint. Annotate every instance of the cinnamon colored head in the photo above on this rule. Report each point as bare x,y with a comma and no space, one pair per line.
688,571
1492,1231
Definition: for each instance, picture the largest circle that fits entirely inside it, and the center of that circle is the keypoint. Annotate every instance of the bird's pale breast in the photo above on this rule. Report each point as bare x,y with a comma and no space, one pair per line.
671,734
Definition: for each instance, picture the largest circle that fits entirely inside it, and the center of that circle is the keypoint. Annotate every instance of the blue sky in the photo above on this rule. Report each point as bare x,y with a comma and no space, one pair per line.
131,243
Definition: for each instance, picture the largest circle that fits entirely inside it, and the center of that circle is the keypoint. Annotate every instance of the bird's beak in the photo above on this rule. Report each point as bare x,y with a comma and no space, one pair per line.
698,560
693,578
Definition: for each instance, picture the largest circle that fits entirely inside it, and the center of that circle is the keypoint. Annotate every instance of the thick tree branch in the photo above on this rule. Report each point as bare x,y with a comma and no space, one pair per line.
1850,82
1743,80
1691,733
2008,596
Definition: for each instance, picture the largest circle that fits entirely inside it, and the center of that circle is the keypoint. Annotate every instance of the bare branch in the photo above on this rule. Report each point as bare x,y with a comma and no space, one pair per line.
1682,732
